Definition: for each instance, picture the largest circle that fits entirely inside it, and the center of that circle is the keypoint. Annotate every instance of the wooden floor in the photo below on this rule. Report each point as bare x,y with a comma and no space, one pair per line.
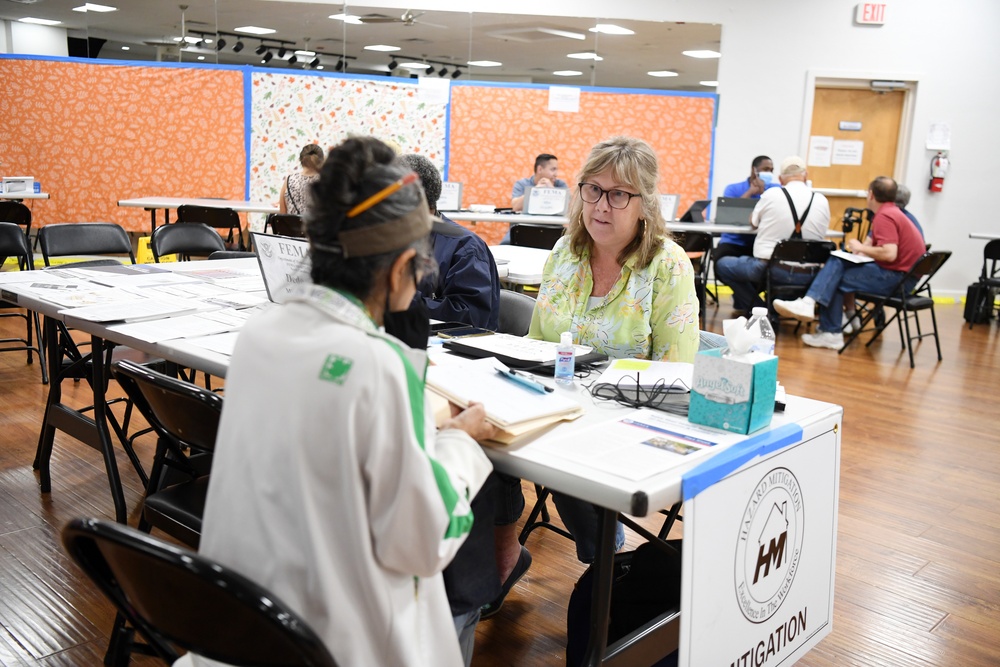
918,558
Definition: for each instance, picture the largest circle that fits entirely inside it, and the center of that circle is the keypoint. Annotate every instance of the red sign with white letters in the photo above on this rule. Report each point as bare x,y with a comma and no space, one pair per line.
870,13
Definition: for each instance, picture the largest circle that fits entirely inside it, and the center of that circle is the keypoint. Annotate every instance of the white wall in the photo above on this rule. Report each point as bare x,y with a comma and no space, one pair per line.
767,50
38,40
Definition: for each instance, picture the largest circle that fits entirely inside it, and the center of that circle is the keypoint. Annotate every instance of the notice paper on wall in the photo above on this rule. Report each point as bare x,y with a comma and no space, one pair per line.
820,149
434,91
564,98
939,136
848,152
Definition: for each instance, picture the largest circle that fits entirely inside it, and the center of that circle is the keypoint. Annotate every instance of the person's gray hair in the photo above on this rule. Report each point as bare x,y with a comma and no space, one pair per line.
430,177
902,195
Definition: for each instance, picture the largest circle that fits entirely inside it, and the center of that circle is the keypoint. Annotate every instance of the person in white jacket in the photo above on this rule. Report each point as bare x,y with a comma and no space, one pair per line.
330,485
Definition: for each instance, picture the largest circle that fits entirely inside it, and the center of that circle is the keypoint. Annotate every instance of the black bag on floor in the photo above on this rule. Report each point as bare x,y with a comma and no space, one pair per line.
977,304
647,583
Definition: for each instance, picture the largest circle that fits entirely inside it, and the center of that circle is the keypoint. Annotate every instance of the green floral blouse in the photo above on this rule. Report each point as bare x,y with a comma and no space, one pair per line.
650,313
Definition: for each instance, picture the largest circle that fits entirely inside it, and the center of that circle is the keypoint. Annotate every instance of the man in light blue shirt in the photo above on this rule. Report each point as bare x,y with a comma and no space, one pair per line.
546,169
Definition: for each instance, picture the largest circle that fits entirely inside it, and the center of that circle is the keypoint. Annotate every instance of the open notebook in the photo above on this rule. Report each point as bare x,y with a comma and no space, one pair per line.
514,410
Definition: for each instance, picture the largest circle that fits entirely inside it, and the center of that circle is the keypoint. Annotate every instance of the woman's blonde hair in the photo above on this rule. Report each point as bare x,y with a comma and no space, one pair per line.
311,156
632,163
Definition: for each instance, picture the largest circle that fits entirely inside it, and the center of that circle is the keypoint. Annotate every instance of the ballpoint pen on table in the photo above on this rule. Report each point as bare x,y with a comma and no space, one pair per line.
525,382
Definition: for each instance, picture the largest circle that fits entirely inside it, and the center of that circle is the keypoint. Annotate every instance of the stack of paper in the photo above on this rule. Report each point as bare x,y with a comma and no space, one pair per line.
516,411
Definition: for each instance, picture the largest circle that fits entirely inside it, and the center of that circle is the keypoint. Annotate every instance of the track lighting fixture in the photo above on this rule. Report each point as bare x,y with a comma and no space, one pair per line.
457,73
341,66
220,44
238,46
314,62
443,71
294,59
282,52
260,49
429,70
393,64
267,56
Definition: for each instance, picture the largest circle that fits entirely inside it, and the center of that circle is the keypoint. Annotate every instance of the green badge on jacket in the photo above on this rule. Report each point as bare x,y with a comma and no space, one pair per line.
336,369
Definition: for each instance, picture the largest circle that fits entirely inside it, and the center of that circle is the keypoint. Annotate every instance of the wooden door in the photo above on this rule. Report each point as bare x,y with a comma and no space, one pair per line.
878,114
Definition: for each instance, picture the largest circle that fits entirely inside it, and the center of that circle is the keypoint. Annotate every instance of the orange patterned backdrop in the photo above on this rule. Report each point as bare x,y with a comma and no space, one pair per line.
92,134
497,131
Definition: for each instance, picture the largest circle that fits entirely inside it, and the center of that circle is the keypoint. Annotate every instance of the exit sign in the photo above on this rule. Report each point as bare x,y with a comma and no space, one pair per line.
870,13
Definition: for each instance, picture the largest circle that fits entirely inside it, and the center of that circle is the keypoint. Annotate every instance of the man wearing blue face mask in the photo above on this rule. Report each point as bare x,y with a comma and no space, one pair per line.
761,177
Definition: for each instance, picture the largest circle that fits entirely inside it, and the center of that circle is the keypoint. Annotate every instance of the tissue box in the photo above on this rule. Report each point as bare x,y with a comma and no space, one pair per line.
733,394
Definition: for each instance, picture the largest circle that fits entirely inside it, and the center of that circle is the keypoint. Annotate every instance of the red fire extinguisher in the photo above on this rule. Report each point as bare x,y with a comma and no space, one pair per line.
939,169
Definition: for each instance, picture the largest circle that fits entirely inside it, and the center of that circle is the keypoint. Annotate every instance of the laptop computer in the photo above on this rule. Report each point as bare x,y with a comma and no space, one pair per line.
697,211
734,210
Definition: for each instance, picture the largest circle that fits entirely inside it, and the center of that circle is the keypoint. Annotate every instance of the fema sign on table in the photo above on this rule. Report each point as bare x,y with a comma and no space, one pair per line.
759,550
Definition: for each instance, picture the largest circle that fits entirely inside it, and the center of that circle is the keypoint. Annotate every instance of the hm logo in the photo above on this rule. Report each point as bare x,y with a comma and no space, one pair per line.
774,535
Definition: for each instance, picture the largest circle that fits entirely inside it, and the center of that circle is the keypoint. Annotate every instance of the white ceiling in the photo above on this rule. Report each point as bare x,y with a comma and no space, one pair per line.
521,43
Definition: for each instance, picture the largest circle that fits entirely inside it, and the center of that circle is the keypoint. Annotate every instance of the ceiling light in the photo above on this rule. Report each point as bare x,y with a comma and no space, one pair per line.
562,33
413,65
429,70
442,71
221,44
567,72
267,57
126,48
254,30
710,84
305,54
347,18
319,67
314,62
201,57
207,40
586,55
294,59
662,73
91,7
282,52
457,73
31,19
260,49
188,39
341,66
611,29
393,64
381,47
485,63
702,53
238,46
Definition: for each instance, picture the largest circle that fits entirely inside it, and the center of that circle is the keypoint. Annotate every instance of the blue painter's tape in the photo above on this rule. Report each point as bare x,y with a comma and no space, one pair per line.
714,469
248,73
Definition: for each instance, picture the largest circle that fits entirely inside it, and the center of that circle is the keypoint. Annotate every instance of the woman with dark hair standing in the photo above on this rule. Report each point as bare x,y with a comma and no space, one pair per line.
329,484
294,197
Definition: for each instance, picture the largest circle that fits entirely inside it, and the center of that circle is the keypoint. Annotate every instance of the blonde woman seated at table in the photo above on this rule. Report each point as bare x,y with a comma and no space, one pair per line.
295,189
621,286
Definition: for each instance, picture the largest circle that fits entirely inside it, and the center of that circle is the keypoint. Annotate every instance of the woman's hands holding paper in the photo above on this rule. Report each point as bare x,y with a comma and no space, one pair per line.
472,420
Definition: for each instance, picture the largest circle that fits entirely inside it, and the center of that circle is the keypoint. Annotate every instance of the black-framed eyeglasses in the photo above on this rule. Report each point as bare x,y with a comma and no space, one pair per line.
592,194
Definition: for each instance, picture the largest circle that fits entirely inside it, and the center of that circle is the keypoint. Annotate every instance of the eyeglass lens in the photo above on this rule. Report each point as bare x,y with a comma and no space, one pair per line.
616,198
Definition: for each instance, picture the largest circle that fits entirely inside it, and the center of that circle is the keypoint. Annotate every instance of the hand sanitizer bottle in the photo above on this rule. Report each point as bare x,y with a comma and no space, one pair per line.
565,359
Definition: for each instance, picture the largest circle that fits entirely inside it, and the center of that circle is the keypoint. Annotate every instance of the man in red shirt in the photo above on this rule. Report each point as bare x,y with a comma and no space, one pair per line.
894,246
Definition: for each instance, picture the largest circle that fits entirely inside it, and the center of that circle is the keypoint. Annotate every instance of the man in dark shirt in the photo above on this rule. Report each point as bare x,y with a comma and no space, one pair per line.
466,288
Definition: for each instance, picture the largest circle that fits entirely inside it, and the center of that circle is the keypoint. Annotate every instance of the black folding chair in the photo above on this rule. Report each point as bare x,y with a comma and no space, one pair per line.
535,236
13,243
231,254
698,246
910,295
791,253
187,240
84,238
515,312
20,215
989,283
181,601
287,224
225,219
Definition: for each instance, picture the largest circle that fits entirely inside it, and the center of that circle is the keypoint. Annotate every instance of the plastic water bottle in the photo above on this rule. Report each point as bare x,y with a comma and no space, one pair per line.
565,359
765,338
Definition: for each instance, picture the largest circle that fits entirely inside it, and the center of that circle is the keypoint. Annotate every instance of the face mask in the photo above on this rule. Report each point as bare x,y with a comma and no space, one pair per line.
412,326
766,176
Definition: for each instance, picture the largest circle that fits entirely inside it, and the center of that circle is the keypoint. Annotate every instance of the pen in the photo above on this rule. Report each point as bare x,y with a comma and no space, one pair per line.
525,382
385,192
